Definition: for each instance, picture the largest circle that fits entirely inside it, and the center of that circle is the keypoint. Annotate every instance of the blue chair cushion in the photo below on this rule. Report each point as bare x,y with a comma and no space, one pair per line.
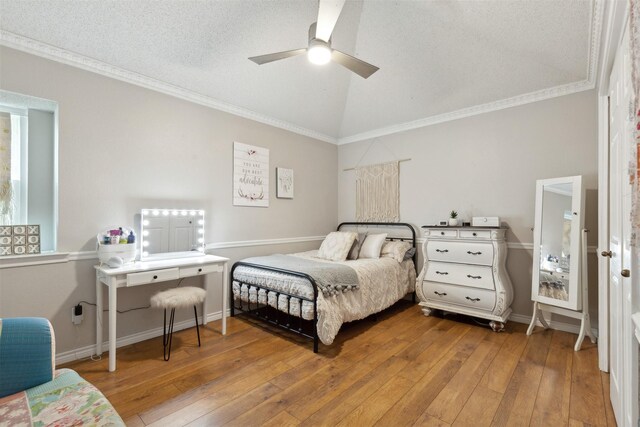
27,349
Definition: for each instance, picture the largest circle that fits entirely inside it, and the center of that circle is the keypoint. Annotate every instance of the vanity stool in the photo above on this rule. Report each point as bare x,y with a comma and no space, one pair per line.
176,298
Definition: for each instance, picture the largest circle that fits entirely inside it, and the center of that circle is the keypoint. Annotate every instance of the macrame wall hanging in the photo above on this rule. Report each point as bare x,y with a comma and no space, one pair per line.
378,190
378,193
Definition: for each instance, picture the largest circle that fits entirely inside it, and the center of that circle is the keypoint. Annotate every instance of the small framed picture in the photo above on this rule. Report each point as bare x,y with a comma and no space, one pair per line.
284,180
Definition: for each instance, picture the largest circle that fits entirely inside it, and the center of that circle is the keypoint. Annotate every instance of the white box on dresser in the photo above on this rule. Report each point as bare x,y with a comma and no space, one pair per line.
464,272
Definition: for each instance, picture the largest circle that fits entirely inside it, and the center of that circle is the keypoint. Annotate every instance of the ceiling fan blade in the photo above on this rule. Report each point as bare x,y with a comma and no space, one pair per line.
328,13
270,57
361,68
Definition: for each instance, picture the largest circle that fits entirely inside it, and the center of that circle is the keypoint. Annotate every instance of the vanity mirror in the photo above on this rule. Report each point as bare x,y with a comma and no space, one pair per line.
171,232
559,279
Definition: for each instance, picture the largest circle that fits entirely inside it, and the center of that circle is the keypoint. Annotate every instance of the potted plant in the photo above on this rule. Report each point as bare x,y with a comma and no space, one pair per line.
453,218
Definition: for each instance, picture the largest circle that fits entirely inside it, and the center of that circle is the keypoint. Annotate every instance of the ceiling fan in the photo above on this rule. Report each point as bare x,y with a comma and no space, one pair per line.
319,50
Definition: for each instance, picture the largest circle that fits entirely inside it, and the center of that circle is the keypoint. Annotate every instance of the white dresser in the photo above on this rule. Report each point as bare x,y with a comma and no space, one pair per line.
464,272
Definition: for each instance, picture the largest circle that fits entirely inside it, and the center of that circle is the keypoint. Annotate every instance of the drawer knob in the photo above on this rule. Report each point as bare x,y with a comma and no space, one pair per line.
444,273
473,277
475,234
440,294
442,251
473,299
474,253
199,270
155,277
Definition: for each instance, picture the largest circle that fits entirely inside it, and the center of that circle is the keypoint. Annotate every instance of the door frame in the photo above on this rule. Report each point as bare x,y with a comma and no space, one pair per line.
615,18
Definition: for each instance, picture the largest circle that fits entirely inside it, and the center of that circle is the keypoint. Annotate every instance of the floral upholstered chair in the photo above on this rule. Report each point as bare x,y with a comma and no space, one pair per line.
32,392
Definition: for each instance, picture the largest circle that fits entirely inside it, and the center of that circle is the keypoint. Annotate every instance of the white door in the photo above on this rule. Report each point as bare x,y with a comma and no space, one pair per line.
622,341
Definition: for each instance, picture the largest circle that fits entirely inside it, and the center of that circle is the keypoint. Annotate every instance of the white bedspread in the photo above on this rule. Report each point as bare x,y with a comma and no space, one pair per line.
382,282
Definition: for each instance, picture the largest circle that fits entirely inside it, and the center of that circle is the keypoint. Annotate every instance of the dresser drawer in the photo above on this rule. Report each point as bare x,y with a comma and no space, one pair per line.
199,270
480,299
460,252
475,234
475,276
134,279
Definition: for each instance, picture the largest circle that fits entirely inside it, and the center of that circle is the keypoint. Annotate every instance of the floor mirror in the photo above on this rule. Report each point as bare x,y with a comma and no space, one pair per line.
559,275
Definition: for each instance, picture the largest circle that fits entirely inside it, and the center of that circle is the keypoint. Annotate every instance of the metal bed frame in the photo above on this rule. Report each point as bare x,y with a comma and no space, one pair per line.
287,321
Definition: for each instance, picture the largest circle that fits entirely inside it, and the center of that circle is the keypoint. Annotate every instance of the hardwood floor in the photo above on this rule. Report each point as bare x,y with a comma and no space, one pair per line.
403,369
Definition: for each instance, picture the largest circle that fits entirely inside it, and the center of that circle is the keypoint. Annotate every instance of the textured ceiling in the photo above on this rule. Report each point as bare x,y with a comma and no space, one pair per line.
435,57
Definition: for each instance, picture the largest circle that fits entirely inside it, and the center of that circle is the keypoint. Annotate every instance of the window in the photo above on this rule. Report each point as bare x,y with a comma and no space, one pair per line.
28,169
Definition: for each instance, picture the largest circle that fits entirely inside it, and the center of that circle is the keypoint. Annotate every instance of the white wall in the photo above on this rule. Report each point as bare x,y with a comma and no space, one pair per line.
487,165
122,148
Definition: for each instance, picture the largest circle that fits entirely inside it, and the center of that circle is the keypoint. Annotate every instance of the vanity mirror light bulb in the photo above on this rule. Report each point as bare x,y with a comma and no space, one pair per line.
201,230
145,243
200,222
192,213
200,240
145,212
156,213
201,213
145,254
145,233
175,212
145,222
165,212
184,213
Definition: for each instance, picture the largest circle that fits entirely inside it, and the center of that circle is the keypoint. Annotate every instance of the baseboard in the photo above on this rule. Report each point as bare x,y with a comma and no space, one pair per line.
553,324
90,350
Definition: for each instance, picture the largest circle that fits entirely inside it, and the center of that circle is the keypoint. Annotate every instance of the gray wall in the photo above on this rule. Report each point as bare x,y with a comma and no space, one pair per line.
122,148
487,165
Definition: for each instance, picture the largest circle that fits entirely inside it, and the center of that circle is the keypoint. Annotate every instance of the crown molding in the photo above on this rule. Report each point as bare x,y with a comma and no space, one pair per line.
44,50
502,104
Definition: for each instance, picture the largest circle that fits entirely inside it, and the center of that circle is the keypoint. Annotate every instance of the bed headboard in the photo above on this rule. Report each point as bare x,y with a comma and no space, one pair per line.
395,231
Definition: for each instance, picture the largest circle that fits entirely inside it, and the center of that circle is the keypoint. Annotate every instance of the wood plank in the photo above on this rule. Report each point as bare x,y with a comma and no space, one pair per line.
479,409
499,373
344,403
232,410
519,398
309,395
134,421
448,404
410,408
427,420
283,419
553,398
587,402
375,407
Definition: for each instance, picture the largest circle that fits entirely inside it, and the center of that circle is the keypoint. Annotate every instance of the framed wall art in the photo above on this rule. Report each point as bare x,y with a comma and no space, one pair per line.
284,179
250,175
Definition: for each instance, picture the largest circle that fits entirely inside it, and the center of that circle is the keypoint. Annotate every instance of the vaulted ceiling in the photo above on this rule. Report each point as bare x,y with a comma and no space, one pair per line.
438,59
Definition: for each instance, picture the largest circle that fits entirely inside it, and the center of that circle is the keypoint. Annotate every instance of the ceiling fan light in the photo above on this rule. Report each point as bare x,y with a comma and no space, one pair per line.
319,54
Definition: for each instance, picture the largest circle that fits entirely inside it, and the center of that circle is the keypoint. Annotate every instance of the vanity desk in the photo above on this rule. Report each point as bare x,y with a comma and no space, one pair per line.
464,272
149,272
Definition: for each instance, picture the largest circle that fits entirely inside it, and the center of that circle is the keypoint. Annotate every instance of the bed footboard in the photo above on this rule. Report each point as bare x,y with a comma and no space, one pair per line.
273,315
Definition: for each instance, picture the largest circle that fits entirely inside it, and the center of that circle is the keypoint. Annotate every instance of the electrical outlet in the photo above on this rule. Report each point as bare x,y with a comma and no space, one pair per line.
76,314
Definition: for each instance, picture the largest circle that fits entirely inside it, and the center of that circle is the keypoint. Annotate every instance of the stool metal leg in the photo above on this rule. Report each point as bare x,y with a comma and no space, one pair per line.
195,313
167,336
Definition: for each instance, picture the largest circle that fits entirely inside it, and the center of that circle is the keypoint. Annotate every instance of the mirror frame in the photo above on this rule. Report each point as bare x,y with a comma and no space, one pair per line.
160,212
577,224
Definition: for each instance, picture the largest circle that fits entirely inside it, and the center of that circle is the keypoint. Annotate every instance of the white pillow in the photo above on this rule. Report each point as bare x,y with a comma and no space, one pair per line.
336,246
372,245
355,249
396,250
